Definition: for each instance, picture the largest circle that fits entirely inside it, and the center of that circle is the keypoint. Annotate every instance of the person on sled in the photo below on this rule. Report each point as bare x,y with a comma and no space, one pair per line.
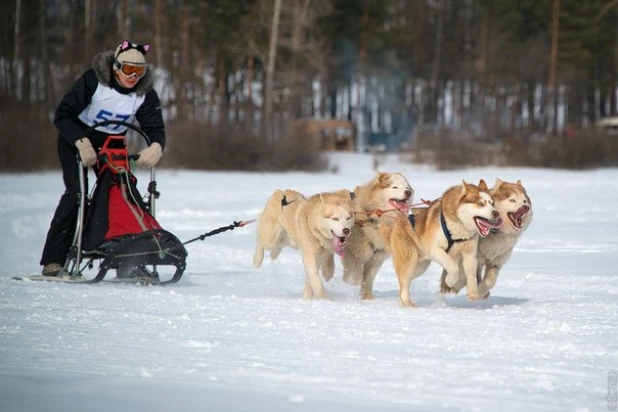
119,86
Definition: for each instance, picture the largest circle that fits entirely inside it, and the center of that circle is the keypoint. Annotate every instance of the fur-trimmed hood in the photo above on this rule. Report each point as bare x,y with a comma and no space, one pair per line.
102,64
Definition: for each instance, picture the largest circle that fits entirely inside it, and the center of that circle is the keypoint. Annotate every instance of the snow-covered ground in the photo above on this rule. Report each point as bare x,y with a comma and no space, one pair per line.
229,337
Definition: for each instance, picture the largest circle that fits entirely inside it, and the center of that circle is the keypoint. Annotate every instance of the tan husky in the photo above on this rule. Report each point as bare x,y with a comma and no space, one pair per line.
448,230
317,225
513,203
365,251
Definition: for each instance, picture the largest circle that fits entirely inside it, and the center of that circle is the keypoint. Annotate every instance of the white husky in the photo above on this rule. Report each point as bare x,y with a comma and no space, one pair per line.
318,226
365,249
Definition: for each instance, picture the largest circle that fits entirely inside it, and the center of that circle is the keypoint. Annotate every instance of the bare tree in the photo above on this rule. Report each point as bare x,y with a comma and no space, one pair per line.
88,30
16,42
158,32
553,58
270,71
50,93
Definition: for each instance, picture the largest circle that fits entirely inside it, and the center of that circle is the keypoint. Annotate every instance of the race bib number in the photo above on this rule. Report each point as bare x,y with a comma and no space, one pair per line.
105,115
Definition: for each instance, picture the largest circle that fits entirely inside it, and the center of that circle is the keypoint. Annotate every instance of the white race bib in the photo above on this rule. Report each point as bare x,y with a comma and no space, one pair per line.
108,104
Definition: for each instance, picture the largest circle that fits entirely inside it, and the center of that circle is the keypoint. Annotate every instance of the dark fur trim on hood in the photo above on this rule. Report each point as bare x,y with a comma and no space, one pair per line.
102,65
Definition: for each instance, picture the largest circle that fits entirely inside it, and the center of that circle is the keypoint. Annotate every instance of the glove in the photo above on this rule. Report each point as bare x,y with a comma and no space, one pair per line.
149,156
86,152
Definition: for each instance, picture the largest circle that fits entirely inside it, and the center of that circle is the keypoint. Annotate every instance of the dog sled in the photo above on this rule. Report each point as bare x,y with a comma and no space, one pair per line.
117,228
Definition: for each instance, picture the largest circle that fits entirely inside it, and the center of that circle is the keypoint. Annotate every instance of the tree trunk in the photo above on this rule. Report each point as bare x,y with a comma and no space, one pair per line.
614,96
50,93
482,67
299,26
249,112
16,47
270,72
183,95
158,32
87,31
435,66
224,95
362,51
124,22
553,59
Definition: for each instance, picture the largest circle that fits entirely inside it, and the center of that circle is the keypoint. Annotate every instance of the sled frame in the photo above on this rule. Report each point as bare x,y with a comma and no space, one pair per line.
74,265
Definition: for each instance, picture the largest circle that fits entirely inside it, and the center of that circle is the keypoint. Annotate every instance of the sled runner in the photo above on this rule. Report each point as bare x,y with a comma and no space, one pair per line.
117,227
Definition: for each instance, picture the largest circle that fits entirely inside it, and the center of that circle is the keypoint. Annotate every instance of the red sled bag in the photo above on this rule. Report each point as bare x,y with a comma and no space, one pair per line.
116,207
125,217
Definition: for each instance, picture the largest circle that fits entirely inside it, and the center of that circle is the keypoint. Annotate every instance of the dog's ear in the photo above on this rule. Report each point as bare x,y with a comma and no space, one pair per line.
483,185
464,187
519,183
498,183
384,179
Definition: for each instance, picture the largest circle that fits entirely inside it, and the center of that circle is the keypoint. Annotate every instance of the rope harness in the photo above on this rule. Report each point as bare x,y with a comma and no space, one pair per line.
222,229
379,212
285,202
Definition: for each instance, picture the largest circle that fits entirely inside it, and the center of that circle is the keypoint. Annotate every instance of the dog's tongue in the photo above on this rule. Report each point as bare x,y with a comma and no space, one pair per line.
399,204
496,223
485,226
338,243
522,211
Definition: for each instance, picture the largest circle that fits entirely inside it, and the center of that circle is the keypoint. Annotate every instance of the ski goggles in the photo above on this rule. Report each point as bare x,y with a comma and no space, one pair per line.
137,70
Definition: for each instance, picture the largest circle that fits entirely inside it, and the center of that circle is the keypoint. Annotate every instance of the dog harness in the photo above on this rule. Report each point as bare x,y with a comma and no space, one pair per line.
412,219
284,201
447,234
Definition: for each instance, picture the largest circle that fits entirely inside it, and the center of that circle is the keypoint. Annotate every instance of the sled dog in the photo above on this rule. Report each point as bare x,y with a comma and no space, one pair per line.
447,230
513,204
318,226
364,250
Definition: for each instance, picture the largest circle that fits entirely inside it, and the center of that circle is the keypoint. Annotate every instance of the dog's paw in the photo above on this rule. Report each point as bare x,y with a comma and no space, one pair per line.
483,290
487,295
352,278
320,296
307,293
451,279
407,304
472,295
327,275
444,289
366,295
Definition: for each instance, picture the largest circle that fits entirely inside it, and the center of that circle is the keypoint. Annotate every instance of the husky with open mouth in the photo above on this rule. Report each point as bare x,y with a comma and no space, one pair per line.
448,232
365,251
318,226
515,208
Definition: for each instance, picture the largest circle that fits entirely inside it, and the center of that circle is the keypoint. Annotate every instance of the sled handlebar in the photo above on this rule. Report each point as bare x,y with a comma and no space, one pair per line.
120,123
132,157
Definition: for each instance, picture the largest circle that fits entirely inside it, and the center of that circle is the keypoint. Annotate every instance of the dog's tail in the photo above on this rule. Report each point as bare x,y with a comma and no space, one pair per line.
393,231
267,226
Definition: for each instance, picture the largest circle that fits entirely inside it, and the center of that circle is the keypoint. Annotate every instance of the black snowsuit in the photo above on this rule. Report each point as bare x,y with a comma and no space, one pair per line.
71,128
